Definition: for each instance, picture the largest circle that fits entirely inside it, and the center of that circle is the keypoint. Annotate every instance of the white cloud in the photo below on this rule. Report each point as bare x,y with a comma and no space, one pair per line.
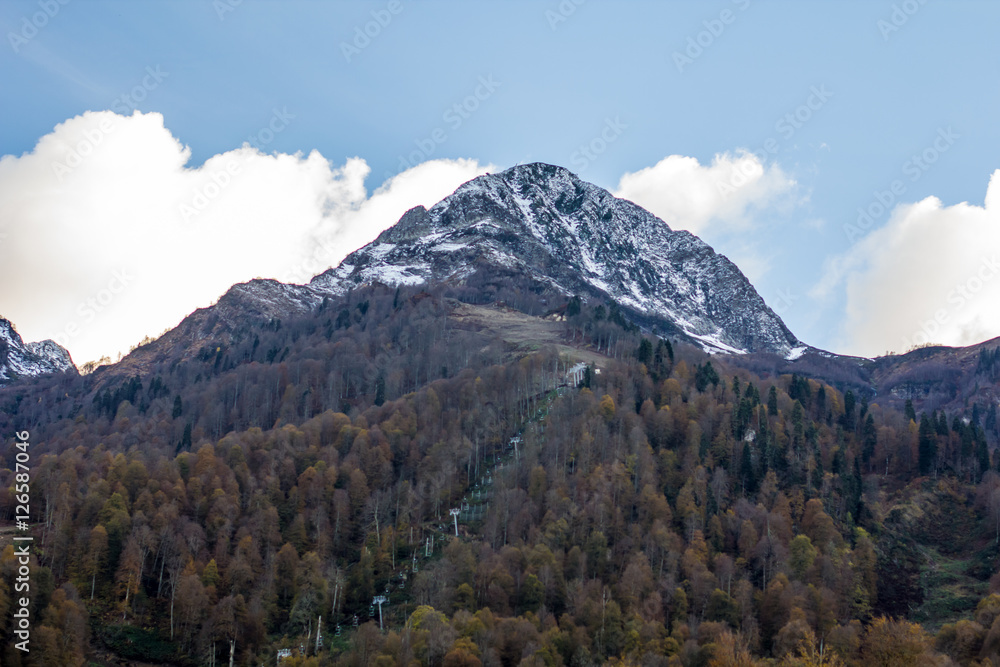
107,236
930,275
689,195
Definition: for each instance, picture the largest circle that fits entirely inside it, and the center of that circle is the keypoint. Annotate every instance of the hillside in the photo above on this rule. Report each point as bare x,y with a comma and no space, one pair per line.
529,425
671,508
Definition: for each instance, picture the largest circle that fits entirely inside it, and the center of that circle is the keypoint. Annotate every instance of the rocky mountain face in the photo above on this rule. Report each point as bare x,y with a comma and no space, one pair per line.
542,221
22,360
542,224
537,223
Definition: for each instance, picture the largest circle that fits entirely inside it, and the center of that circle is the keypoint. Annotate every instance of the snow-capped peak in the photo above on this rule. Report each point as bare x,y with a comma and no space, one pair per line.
21,360
577,238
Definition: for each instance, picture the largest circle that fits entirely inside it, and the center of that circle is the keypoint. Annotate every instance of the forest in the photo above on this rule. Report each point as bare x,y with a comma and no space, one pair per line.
373,484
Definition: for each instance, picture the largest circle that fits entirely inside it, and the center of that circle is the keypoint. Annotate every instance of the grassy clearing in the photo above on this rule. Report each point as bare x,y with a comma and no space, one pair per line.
950,593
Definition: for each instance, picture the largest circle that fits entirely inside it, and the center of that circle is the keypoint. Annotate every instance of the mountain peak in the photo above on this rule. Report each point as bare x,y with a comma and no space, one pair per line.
574,238
537,173
22,360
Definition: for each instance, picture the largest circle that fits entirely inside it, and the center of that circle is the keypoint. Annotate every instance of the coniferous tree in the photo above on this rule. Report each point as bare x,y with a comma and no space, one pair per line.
926,445
982,453
849,404
869,438
185,443
941,424
645,352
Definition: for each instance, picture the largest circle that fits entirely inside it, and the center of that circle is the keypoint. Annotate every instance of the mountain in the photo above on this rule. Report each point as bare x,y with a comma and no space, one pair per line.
540,228
481,447
543,222
537,228
951,378
254,302
21,360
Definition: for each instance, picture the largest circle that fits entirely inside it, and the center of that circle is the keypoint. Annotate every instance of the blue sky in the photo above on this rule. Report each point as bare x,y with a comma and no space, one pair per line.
894,78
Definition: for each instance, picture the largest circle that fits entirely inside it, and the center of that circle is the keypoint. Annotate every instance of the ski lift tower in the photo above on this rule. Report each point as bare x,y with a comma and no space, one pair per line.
379,600
454,513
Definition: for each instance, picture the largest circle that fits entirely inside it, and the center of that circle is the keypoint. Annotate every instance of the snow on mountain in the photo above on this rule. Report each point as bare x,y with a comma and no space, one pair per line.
21,360
579,239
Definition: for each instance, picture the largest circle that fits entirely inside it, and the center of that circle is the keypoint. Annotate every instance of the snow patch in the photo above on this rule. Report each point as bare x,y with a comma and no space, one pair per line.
796,352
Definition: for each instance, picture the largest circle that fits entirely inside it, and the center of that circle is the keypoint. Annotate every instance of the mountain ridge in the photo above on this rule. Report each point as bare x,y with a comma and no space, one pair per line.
23,360
566,237
578,239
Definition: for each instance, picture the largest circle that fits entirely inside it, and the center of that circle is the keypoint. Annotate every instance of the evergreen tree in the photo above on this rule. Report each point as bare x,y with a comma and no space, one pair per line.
185,442
645,352
927,445
705,375
982,453
941,425
848,419
869,438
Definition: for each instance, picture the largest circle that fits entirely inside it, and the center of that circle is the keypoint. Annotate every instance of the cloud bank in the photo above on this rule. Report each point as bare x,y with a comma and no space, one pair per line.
107,235
931,274
725,194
